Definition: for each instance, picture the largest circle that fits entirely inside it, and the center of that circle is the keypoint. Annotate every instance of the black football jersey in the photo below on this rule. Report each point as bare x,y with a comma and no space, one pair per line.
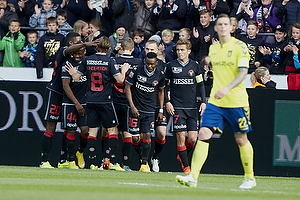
183,83
118,92
100,71
145,87
55,83
78,88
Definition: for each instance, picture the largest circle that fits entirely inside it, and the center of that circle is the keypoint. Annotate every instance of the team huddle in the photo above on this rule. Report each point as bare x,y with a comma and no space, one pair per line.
105,95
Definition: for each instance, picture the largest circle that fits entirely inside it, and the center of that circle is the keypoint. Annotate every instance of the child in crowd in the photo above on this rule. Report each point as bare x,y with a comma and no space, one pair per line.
203,35
261,78
185,34
29,51
116,38
95,32
139,44
161,55
12,43
82,28
95,27
290,48
167,44
48,46
272,54
253,41
61,16
235,32
38,19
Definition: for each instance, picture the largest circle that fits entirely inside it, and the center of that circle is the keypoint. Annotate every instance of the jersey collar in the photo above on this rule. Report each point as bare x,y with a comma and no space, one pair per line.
183,64
147,72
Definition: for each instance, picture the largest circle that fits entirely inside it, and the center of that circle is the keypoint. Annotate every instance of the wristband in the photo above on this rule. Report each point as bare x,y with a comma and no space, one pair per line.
161,110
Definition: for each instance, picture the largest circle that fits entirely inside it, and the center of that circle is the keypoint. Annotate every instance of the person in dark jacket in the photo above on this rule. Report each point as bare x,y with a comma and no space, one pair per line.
142,18
48,46
204,35
78,9
216,6
102,10
124,14
242,11
289,11
24,9
266,19
272,57
253,41
170,14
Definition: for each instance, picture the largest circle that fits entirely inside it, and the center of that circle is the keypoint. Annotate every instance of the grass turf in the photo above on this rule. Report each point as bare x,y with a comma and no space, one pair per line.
50,184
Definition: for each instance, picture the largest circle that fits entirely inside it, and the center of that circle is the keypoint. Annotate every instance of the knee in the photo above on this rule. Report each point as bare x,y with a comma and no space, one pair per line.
241,139
205,133
146,136
192,141
84,130
135,139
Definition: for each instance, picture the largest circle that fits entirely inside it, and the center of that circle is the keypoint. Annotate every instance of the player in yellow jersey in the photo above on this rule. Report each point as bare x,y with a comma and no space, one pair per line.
228,103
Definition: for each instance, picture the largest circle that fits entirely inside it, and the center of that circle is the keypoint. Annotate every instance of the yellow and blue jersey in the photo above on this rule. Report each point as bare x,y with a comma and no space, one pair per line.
226,60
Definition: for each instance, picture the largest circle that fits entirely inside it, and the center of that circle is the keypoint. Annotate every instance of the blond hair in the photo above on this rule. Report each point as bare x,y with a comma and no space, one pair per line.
167,32
258,73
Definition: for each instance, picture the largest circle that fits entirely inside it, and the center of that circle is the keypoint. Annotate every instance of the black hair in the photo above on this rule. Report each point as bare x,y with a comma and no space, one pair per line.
151,55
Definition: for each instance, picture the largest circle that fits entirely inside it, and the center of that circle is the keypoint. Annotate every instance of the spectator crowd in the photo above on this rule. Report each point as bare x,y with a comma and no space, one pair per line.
32,31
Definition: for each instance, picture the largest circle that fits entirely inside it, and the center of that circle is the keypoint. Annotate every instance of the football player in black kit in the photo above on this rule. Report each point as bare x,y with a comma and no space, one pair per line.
101,71
159,126
53,99
120,101
144,87
184,74
73,108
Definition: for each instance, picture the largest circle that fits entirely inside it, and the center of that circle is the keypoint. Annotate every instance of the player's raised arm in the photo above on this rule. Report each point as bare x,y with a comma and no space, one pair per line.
121,77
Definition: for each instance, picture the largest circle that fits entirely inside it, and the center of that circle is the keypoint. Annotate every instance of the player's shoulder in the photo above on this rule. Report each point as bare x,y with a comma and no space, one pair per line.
239,43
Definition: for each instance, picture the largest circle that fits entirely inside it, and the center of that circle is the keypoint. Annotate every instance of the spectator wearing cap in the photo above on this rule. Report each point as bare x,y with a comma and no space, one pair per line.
116,38
6,14
273,55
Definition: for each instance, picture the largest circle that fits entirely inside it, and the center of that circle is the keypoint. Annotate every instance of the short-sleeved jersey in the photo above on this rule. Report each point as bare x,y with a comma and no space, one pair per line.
55,83
118,92
100,72
183,83
145,87
226,60
78,88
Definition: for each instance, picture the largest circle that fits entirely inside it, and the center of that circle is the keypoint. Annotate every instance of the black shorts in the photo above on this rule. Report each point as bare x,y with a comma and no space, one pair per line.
52,102
101,114
70,118
122,111
143,124
165,120
185,120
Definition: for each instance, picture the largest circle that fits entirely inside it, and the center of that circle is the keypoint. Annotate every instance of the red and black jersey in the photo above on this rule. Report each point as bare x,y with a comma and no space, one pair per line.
118,92
145,87
78,88
100,71
183,83
55,83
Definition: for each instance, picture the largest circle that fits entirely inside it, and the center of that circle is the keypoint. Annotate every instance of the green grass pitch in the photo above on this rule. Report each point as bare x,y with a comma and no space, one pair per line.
50,184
